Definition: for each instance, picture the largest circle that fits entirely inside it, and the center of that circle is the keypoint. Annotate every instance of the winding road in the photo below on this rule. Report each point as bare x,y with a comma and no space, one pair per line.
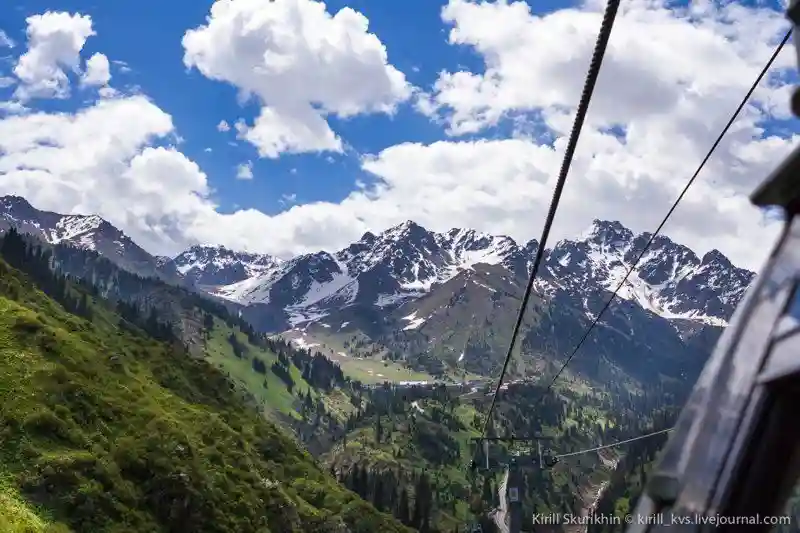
501,514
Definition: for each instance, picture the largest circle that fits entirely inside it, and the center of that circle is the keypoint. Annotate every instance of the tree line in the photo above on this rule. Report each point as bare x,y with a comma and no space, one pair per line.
388,491
36,263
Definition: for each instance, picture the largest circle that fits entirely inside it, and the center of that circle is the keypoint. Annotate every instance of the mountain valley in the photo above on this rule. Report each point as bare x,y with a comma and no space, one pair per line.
110,424
341,351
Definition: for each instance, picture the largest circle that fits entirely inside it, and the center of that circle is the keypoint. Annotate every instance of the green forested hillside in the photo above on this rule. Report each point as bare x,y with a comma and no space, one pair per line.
408,450
303,392
105,429
151,414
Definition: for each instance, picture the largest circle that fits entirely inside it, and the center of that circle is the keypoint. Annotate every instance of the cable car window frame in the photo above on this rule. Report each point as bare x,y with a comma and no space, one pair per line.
789,323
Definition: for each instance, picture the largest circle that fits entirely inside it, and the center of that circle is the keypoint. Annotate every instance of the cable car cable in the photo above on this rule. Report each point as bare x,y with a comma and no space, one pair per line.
647,435
669,213
591,79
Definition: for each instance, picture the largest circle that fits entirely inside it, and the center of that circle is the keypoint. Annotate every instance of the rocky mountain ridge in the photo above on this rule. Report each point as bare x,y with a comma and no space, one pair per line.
407,261
88,232
448,300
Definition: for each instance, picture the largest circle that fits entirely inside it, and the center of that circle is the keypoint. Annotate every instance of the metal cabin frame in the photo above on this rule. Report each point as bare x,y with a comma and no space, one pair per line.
734,455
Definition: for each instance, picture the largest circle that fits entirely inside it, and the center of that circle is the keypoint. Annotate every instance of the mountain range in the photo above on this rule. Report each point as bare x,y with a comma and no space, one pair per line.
88,232
449,298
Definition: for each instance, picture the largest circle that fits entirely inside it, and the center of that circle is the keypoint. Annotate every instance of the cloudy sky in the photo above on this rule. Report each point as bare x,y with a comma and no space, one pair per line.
290,126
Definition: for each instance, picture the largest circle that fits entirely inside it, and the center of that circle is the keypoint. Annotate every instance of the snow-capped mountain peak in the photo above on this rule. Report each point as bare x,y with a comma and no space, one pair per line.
218,265
606,232
407,228
669,280
417,259
401,263
407,261
12,203
89,232
79,228
85,231
16,211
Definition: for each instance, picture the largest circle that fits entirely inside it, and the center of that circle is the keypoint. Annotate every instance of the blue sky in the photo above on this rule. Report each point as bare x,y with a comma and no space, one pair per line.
481,154
146,35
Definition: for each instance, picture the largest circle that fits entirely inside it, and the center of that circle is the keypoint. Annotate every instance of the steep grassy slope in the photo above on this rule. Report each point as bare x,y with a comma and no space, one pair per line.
303,392
106,430
274,397
18,516
204,325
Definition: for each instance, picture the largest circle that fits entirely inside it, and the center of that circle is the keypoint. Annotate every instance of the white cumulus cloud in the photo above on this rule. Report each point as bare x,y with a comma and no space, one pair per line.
301,63
98,71
100,161
677,58
55,40
245,171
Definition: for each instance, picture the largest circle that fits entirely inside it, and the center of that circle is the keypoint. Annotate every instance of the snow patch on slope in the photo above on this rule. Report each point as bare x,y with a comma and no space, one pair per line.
303,344
251,290
70,227
386,300
342,286
414,322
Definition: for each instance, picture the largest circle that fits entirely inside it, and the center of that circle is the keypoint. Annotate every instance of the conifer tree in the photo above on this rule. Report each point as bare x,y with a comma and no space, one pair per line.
402,512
